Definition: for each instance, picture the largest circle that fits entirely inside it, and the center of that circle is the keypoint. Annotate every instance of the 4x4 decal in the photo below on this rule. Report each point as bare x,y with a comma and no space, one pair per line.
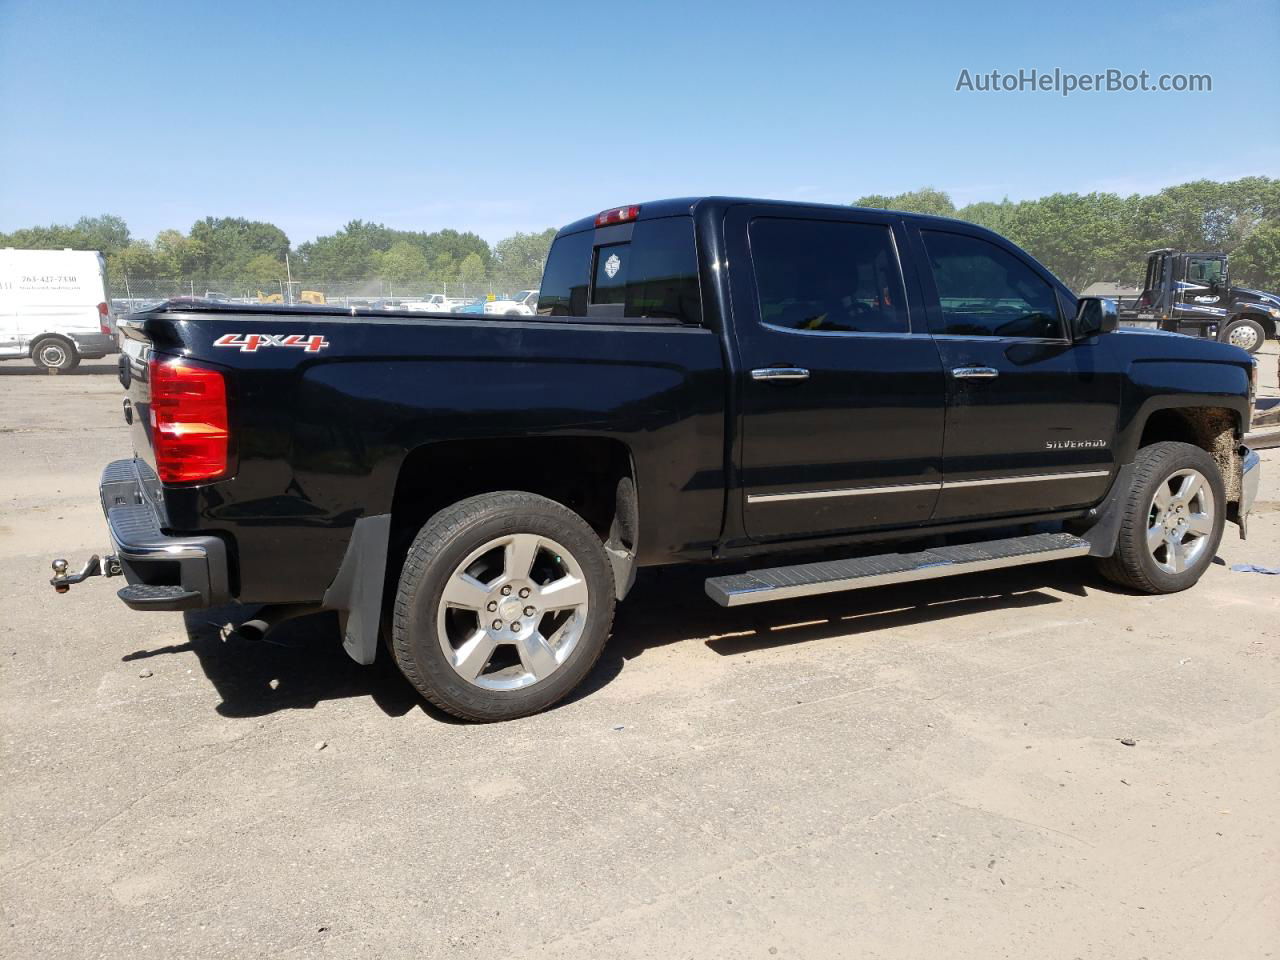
250,342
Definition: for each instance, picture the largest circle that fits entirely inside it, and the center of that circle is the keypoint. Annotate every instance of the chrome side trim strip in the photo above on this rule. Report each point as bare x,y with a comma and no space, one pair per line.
920,487
1033,478
844,492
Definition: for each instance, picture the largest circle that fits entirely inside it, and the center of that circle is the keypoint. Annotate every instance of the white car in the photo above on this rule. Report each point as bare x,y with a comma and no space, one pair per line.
436,303
53,307
524,304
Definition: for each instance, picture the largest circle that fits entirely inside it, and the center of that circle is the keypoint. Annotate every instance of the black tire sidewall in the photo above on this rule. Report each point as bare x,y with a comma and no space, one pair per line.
70,359
414,633
1186,457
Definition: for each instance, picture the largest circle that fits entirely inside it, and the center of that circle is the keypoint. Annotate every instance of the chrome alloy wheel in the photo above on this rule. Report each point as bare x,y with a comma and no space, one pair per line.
1180,521
512,612
1243,336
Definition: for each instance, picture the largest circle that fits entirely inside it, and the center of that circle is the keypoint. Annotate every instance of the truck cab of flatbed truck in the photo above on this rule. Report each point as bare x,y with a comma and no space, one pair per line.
887,397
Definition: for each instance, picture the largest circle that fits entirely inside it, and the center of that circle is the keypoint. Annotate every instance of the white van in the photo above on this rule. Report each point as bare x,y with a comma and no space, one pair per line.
53,307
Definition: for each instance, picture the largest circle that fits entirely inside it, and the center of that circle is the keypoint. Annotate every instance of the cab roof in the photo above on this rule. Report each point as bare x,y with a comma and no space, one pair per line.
687,206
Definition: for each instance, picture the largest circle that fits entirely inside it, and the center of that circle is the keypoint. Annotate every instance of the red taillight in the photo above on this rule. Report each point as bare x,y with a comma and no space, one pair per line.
190,431
616,215
104,318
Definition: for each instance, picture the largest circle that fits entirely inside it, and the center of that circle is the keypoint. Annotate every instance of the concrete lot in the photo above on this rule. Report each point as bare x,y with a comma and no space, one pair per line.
926,772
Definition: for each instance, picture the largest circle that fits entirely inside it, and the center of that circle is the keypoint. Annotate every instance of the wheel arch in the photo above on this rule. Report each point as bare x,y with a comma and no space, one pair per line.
40,338
594,476
1212,427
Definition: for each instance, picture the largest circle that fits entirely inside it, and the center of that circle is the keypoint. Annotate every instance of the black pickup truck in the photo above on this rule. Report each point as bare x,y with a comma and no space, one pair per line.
706,380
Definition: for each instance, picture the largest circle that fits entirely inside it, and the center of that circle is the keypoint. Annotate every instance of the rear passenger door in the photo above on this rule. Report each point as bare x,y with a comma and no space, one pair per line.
1030,414
840,387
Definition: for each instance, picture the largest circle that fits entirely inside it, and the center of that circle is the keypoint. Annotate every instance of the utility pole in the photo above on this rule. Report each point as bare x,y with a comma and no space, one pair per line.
289,273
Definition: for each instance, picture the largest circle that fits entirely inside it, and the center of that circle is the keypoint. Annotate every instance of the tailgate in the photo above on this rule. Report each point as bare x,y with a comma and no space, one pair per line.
135,353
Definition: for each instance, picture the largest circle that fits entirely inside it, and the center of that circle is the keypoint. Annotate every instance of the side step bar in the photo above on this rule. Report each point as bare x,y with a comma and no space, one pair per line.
807,579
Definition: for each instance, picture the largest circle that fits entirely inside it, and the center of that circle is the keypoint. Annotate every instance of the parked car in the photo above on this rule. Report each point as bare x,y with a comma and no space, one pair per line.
53,307
475,306
524,304
714,380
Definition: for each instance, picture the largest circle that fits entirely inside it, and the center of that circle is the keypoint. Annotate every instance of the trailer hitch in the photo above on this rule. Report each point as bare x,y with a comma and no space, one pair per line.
63,581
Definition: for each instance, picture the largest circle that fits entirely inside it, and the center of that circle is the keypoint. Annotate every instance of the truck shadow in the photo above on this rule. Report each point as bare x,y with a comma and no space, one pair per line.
669,605
302,663
87,368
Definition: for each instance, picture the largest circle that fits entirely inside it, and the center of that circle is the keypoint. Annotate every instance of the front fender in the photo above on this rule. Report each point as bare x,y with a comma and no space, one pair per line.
1178,384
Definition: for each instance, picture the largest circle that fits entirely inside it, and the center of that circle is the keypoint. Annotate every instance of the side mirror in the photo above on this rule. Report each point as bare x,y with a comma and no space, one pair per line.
1095,315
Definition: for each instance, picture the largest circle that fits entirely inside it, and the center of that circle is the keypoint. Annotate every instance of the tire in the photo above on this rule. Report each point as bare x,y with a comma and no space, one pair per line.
1181,553
529,606
55,354
1244,332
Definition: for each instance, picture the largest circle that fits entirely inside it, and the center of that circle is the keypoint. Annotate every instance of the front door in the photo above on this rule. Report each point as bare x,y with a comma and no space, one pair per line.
840,385
1030,414
1201,291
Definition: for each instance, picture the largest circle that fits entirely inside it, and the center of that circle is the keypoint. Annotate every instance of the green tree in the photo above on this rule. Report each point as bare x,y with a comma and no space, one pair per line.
223,246
108,234
403,263
443,268
263,270
176,254
1256,261
519,259
471,270
925,200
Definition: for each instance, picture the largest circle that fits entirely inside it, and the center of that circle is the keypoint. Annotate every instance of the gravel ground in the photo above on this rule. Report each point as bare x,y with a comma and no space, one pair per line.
934,771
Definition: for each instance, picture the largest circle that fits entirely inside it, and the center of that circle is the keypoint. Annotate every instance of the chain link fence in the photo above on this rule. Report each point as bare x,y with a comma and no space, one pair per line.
129,293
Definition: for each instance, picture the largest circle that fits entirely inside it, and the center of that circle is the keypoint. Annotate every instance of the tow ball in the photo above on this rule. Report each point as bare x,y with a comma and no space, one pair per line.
95,567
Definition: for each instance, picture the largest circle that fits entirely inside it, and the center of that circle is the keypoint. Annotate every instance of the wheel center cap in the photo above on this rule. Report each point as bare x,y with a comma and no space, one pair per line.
510,609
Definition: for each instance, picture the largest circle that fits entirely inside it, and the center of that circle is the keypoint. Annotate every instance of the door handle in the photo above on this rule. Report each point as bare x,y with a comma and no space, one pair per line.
975,373
779,373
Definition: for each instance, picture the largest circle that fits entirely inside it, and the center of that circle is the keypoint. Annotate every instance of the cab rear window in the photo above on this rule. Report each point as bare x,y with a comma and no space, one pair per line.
652,275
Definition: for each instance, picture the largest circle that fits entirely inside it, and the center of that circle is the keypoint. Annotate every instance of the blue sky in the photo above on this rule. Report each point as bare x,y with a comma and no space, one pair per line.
498,117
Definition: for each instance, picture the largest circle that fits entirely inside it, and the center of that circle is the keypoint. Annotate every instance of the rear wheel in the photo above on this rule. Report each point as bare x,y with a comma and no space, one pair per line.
55,354
1172,521
1243,332
504,605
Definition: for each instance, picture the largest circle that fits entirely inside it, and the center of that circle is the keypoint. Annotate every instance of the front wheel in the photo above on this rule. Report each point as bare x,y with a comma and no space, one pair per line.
504,605
55,355
1172,520
1243,332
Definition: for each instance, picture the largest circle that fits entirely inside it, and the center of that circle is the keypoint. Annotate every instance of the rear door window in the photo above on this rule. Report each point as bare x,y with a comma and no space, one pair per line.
827,276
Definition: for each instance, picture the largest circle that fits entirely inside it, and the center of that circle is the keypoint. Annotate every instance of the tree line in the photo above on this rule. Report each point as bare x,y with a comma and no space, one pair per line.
1090,237
1080,237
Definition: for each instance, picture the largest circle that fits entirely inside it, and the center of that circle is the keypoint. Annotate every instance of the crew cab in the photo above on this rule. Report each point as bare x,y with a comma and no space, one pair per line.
715,380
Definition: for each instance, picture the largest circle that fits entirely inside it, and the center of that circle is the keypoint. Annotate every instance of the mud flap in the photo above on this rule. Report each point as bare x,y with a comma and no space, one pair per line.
356,592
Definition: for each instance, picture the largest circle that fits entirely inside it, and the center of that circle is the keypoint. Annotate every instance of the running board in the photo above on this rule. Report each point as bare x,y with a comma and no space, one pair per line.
807,579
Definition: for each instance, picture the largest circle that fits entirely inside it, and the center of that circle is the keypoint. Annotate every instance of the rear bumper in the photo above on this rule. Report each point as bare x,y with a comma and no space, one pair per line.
151,557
